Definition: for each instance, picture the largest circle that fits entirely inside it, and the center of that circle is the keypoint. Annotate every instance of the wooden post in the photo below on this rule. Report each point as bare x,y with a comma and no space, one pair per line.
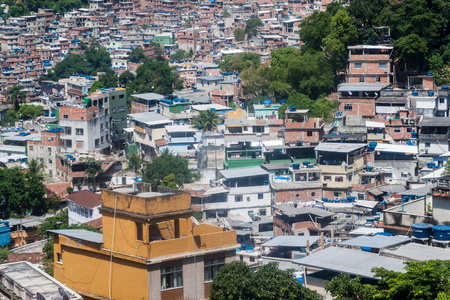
321,240
332,235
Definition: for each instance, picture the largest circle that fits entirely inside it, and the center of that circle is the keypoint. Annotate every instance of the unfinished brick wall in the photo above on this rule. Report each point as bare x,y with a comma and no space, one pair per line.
283,196
360,107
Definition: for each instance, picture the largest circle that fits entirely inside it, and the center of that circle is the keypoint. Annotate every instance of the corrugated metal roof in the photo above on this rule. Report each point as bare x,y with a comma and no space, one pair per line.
290,241
339,147
350,261
361,87
396,148
376,241
418,252
80,234
434,122
148,96
150,118
292,211
244,172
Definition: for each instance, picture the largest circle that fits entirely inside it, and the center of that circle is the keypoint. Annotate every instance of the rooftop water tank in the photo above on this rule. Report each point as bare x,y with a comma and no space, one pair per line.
441,233
431,93
430,165
296,166
421,230
292,108
415,93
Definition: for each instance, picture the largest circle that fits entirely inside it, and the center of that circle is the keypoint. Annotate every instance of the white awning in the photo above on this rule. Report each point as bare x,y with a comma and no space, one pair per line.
128,129
375,124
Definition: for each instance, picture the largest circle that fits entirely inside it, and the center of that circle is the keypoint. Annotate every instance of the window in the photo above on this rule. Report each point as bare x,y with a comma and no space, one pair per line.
441,100
31,148
49,151
382,65
102,139
79,131
309,133
339,178
113,97
260,196
258,129
65,116
408,129
212,266
68,130
60,261
248,199
238,198
50,161
101,125
139,231
377,79
97,143
326,178
121,96
68,143
313,194
358,65
337,194
348,106
427,145
121,108
361,79
262,212
397,129
171,277
360,196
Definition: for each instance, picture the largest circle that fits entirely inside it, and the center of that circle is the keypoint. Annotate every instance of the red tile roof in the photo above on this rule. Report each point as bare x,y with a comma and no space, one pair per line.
160,142
86,198
97,223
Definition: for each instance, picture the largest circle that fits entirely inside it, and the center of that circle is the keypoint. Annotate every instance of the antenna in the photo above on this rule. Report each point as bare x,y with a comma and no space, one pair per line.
63,293
195,221
225,222
39,296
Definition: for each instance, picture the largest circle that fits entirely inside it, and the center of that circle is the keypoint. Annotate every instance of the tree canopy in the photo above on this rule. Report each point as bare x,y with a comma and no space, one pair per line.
95,59
207,120
251,27
167,164
137,55
422,280
240,62
239,34
236,281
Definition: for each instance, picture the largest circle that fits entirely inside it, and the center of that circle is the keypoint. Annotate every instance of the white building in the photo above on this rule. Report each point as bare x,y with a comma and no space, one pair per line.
83,207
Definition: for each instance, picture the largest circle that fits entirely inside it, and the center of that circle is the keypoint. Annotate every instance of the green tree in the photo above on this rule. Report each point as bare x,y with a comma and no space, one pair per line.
256,81
240,62
170,181
126,78
411,49
137,55
9,118
207,120
314,29
4,252
30,111
35,169
251,27
15,95
236,281
93,169
15,11
166,164
233,281
179,55
154,76
422,280
158,51
107,80
334,6
134,163
239,34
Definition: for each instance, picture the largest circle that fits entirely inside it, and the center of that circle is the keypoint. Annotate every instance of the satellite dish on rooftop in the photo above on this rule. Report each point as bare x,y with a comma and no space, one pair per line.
195,221
39,296
225,222
63,294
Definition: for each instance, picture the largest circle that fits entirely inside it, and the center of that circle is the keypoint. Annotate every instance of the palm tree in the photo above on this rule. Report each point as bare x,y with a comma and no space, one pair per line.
134,163
93,169
16,95
207,120
35,169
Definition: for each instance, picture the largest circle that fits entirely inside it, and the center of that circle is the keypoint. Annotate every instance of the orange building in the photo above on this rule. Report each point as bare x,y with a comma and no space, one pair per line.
150,248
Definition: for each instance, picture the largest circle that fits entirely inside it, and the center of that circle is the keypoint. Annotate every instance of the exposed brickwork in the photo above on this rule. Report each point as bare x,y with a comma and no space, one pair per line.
360,107
284,196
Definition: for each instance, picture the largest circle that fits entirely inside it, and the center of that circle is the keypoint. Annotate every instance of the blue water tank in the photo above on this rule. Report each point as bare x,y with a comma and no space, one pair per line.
373,144
383,233
366,249
415,93
299,143
292,108
305,163
158,110
429,73
414,135
296,166
371,148
431,93
444,87
421,230
369,168
430,165
283,102
5,236
441,232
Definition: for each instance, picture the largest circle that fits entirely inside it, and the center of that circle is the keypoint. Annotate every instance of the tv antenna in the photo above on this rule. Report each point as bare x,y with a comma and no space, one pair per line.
63,294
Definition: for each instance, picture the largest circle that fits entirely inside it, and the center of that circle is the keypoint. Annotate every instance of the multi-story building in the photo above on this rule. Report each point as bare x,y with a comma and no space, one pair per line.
83,207
341,164
46,148
433,138
86,128
358,99
150,248
370,64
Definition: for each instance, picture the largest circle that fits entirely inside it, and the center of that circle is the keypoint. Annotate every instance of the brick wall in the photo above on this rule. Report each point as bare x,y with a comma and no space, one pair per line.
137,108
303,195
360,107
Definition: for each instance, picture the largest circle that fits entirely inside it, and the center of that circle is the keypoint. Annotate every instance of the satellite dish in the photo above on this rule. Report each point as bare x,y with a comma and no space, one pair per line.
194,220
39,296
225,222
63,293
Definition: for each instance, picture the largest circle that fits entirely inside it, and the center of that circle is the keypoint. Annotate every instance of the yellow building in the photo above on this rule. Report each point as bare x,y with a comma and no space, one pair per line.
150,249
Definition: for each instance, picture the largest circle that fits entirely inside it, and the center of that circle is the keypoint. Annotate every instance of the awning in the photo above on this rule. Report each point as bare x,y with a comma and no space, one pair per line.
215,190
128,129
375,124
